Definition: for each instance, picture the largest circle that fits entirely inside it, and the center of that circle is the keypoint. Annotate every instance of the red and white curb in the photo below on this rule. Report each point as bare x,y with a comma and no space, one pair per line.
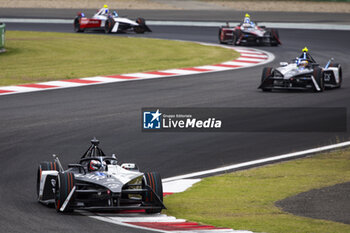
162,222
248,57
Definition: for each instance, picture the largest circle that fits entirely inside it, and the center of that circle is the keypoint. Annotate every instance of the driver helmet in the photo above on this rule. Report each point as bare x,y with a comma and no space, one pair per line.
115,14
94,165
305,52
303,64
246,18
106,9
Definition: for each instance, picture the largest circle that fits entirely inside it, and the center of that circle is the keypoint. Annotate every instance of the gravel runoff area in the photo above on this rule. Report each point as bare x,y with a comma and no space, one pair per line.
330,203
254,5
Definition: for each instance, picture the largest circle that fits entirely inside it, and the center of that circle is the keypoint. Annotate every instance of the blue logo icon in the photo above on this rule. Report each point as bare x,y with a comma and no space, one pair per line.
151,120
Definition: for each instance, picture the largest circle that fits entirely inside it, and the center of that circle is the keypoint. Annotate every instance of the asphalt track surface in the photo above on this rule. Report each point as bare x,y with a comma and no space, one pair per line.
184,15
36,125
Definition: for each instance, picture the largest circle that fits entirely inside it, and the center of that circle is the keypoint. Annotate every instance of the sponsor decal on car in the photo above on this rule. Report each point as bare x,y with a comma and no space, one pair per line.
85,21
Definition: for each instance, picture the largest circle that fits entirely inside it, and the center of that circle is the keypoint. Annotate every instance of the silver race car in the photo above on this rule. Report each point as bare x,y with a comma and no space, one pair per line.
98,183
302,73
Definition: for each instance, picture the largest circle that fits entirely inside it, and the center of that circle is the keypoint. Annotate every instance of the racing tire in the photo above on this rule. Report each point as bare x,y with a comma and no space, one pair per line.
153,180
109,25
318,75
235,37
275,37
77,25
142,26
44,166
64,184
340,73
221,36
266,73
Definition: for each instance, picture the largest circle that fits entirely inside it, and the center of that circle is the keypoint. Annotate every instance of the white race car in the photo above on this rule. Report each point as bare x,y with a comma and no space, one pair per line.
109,22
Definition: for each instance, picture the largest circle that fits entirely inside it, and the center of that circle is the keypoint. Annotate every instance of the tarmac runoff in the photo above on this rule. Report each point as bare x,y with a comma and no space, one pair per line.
309,26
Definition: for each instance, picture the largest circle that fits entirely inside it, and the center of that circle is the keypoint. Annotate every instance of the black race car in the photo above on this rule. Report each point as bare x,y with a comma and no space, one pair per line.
98,183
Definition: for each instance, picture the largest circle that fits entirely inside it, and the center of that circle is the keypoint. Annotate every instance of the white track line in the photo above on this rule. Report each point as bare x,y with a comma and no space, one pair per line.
178,186
259,161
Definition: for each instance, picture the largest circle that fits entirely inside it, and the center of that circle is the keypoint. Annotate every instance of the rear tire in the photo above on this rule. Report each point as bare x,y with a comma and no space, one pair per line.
77,25
153,180
266,73
274,37
64,184
142,26
318,75
44,166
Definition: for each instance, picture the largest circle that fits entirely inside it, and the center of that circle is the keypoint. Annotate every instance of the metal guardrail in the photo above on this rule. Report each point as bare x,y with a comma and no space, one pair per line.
2,36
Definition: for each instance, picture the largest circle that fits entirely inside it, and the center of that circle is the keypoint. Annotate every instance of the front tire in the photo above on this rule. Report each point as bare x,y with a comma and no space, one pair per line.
44,166
64,185
221,36
236,36
153,180
318,76
109,25
340,73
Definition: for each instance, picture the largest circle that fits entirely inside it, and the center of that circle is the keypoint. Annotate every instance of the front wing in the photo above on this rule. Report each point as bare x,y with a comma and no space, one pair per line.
92,197
294,83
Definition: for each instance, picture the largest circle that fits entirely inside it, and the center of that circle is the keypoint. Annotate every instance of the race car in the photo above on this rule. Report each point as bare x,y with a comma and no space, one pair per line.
109,22
98,183
302,73
248,33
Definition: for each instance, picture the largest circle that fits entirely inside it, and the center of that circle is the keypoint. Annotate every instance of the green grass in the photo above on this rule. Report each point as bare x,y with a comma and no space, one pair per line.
44,56
245,199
